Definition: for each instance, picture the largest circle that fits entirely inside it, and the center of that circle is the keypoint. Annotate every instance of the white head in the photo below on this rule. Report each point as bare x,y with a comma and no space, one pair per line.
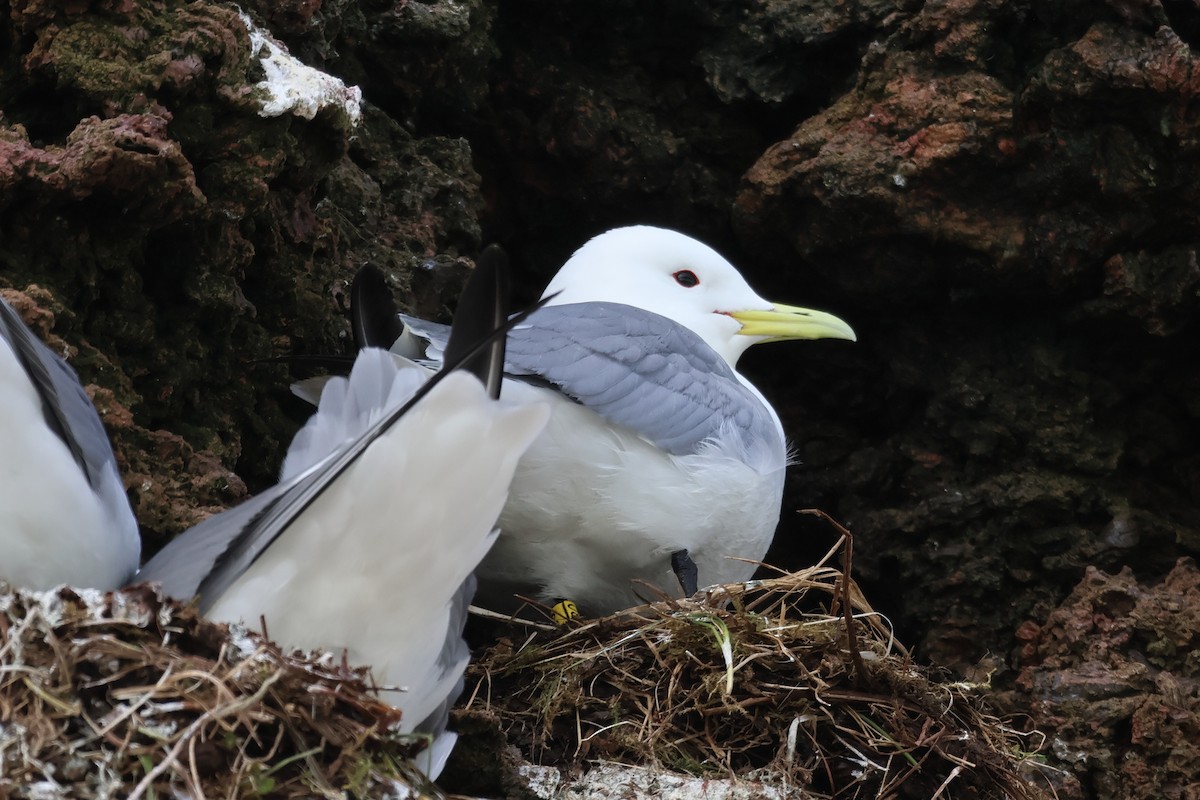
688,282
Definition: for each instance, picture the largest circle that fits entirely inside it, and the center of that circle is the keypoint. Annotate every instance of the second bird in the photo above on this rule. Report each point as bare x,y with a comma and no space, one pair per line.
661,464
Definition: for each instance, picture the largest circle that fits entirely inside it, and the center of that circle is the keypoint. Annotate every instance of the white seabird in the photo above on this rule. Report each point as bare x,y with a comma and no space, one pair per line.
64,516
369,541
658,452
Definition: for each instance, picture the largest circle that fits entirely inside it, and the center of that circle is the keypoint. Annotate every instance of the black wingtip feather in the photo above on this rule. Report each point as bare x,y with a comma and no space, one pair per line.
374,317
287,507
482,310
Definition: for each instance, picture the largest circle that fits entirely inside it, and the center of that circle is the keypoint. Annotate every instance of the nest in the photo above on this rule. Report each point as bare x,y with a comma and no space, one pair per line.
793,682
128,695
793,679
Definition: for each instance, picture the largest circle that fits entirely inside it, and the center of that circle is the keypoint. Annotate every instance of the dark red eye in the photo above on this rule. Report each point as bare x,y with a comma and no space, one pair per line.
686,278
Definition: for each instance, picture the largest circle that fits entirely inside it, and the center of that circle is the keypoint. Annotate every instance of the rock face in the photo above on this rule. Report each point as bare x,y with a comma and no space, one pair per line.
1112,679
999,196
195,204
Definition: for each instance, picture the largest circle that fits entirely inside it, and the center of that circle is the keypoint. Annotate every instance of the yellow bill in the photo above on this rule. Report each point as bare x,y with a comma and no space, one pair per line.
782,322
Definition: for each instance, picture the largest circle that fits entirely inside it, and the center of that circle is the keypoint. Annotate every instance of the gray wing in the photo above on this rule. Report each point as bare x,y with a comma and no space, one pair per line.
209,558
422,340
69,413
638,369
455,654
184,564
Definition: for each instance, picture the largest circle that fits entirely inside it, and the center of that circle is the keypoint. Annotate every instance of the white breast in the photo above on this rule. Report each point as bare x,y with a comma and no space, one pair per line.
594,509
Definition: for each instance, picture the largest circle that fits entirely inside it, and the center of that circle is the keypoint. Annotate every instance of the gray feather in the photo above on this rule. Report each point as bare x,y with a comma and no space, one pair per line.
188,560
422,341
455,655
632,366
208,559
640,370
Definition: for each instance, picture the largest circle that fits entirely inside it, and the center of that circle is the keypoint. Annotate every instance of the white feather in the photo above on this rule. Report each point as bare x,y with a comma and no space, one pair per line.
374,564
54,528
594,509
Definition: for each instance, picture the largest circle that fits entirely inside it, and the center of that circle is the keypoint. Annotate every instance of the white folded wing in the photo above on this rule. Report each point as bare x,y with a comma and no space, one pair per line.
64,517
380,563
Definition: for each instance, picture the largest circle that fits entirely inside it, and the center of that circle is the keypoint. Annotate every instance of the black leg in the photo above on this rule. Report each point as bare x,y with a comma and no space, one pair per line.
685,570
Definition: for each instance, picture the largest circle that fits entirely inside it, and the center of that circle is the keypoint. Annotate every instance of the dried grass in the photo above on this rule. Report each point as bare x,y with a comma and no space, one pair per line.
128,695
795,678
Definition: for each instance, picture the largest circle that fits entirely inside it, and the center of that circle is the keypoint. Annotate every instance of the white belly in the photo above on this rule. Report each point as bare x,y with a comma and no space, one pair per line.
594,510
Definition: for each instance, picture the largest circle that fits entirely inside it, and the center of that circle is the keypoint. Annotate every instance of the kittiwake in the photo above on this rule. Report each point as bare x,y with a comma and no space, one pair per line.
661,466
382,512
64,516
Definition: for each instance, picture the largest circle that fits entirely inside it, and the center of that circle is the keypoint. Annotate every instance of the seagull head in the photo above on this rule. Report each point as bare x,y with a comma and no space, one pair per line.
686,281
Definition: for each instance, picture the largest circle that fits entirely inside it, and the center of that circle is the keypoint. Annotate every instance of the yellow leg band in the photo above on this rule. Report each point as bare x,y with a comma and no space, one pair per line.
564,611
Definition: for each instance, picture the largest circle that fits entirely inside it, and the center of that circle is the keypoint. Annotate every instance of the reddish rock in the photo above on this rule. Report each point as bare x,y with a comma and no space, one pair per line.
192,238
1110,678
129,159
1002,201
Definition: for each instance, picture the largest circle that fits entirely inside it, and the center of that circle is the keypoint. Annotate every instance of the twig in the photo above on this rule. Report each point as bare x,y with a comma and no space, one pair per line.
214,715
843,590
949,779
512,618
